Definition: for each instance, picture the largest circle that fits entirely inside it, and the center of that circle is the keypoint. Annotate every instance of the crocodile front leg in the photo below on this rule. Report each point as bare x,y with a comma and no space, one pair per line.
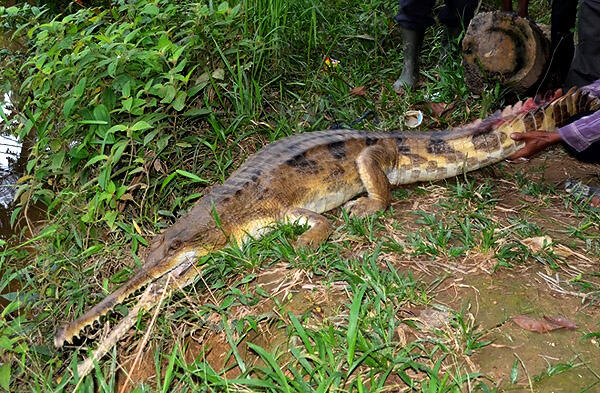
370,165
319,231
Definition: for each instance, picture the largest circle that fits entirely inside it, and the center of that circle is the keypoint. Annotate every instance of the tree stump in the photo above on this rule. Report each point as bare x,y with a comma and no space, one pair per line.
500,46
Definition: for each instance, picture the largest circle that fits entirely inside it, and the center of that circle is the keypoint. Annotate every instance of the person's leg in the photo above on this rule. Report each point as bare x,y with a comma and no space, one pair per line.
414,16
456,14
585,67
561,34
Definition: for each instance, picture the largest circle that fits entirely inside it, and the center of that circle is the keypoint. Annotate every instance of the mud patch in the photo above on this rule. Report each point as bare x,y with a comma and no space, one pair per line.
494,300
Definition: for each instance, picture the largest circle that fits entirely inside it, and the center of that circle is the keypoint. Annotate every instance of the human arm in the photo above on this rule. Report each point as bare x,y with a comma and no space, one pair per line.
582,133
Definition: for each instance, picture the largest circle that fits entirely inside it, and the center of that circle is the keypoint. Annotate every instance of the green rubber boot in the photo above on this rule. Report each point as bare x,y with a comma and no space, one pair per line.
411,45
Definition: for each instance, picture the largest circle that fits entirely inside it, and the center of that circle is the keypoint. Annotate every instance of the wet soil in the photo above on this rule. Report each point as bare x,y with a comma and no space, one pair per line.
494,300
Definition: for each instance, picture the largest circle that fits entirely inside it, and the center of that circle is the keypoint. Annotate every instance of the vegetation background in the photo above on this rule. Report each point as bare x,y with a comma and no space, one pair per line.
134,107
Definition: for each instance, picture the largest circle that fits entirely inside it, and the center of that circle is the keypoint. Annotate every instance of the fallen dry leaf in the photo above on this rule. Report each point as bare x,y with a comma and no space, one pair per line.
561,321
158,166
439,108
534,325
537,244
359,91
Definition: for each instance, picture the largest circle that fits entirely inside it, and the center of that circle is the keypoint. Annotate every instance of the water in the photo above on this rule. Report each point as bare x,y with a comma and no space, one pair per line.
12,166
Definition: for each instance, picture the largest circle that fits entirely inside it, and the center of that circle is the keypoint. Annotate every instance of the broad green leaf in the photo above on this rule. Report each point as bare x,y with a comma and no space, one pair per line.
104,176
149,136
78,90
95,159
57,160
218,74
150,9
110,218
118,149
140,125
179,102
274,368
115,128
223,8
101,114
112,67
127,103
126,90
5,376
170,93
68,107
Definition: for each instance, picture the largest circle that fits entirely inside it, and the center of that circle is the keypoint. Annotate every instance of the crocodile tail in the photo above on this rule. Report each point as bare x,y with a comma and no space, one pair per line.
551,111
68,332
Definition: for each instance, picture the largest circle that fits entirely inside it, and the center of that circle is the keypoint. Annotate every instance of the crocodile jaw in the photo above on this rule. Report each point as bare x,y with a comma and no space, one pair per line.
177,264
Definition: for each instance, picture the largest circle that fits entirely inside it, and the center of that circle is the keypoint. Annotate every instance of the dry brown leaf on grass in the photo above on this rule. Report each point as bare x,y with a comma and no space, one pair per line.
538,243
535,325
359,91
439,109
561,321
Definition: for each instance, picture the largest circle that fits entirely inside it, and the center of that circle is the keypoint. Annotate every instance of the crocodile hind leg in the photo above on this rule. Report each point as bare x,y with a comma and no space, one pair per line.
319,231
370,164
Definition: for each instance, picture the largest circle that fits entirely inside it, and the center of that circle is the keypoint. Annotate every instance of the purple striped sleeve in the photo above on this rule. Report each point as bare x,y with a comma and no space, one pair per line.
583,132
593,88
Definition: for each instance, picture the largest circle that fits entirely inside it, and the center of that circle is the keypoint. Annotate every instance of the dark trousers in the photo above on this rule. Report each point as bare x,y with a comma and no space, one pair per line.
585,67
417,15
561,36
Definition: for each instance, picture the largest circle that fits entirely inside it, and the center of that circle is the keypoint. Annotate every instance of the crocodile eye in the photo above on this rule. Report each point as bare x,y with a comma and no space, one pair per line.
175,245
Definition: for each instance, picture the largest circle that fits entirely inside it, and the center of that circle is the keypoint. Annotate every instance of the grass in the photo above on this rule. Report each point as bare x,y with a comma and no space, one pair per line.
351,316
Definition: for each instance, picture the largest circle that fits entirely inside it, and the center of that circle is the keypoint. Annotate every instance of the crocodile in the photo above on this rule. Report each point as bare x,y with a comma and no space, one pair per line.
297,178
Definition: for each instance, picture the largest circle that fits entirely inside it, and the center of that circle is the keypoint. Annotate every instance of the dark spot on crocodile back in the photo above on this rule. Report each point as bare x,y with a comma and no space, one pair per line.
564,110
337,149
530,121
538,115
303,164
439,146
403,147
335,172
486,141
370,141
503,138
415,159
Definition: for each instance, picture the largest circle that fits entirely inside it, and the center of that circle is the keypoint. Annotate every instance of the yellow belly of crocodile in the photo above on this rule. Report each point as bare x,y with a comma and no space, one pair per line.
301,176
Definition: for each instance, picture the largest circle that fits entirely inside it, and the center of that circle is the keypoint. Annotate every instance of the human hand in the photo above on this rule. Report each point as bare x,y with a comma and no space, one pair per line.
535,142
